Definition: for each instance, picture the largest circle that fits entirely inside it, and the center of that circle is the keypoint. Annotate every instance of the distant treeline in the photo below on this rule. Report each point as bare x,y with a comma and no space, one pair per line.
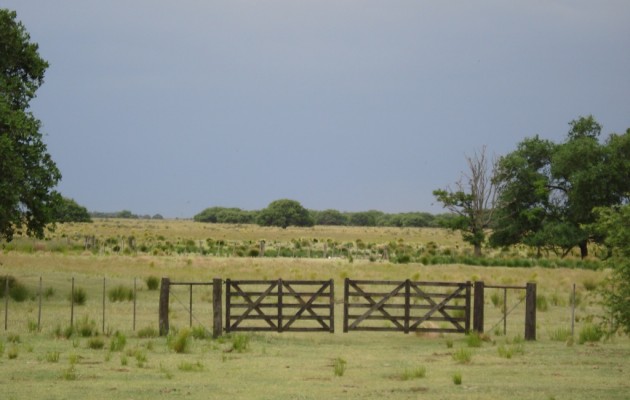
227,215
123,214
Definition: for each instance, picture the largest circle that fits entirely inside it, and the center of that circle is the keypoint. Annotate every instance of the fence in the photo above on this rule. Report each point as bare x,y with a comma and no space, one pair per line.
108,304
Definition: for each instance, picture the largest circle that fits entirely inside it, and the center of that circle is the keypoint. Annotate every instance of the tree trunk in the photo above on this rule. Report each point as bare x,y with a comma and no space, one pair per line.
477,250
583,249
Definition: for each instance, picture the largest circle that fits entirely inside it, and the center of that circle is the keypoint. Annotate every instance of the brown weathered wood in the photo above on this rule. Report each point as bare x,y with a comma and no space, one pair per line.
164,300
217,308
254,305
530,312
378,305
478,307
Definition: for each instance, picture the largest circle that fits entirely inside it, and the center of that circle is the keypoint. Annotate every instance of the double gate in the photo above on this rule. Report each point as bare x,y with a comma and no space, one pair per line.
309,306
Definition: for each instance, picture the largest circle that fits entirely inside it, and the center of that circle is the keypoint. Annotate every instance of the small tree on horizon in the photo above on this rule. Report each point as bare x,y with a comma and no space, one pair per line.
473,201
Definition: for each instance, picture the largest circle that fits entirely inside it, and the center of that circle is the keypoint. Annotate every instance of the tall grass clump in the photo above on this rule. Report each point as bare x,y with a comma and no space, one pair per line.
541,303
79,296
148,332
474,340
240,343
339,366
120,293
457,378
462,356
153,282
560,334
17,291
118,342
590,333
180,341
413,373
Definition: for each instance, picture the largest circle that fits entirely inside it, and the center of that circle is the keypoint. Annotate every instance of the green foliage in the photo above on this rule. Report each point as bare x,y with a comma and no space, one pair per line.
17,291
457,378
474,340
96,343
541,303
560,334
240,343
27,198
120,293
148,332
52,356
612,223
550,190
224,215
285,213
413,373
68,210
190,367
509,351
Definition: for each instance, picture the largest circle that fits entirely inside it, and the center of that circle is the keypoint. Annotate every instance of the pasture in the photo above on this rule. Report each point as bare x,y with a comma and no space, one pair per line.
105,357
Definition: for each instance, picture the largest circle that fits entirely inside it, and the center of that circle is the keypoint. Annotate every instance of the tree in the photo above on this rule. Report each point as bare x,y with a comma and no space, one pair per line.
284,213
473,201
27,172
613,224
549,190
329,217
69,210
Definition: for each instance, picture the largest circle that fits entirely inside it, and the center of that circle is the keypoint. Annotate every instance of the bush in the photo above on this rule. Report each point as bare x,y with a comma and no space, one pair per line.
541,303
414,373
153,282
560,335
17,291
120,293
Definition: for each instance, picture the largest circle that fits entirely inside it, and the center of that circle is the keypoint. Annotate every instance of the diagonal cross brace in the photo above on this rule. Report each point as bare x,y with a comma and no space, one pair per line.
377,306
306,306
254,305
437,307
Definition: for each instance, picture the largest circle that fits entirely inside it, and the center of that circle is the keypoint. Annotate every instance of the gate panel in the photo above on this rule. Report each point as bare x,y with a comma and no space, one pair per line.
280,306
406,306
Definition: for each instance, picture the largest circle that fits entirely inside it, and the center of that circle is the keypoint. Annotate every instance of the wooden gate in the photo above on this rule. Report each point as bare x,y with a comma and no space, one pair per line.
279,306
406,306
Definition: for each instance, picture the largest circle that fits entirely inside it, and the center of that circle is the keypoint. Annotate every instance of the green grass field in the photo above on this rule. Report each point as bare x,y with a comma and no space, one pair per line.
47,364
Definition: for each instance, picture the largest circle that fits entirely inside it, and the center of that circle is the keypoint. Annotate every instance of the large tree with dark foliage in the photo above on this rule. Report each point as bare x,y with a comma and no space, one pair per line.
27,172
549,190
284,213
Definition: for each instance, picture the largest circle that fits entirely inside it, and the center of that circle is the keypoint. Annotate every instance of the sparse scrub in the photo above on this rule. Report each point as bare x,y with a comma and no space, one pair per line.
96,343
190,367
79,296
560,334
179,341
52,356
148,332
508,351
541,303
118,342
199,333
240,343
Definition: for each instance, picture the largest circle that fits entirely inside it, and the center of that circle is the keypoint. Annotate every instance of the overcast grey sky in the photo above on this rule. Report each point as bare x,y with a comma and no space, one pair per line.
170,107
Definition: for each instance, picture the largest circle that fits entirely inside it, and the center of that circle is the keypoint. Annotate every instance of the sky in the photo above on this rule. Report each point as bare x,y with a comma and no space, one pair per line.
170,107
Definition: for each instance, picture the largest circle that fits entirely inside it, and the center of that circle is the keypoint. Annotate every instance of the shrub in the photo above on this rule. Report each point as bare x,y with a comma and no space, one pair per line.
589,284
153,282
457,378
509,351
339,366
120,293
13,353
18,292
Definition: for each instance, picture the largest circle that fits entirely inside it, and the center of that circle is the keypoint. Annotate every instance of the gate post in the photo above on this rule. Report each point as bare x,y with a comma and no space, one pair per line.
478,305
164,298
530,311
217,309
346,299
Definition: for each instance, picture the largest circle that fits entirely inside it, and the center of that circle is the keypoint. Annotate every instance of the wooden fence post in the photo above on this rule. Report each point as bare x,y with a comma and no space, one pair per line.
530,311
217,312
332,306
407,305
6,303
164,300
346,299
468,287
478,306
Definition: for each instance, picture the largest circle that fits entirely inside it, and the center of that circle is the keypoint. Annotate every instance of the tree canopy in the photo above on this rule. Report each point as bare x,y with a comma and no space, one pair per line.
27,172
549,191
285,213
69,210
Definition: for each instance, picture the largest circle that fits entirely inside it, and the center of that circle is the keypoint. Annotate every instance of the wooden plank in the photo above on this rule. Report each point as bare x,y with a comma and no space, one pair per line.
306,306
254,304
437,307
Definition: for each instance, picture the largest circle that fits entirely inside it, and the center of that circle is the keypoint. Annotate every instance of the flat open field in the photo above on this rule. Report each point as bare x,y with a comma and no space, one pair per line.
46,364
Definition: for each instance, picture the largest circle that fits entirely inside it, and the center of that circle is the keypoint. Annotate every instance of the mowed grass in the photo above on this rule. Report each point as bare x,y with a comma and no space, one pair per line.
292,365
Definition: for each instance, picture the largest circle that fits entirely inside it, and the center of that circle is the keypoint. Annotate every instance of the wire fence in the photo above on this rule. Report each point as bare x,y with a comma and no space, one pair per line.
109,304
